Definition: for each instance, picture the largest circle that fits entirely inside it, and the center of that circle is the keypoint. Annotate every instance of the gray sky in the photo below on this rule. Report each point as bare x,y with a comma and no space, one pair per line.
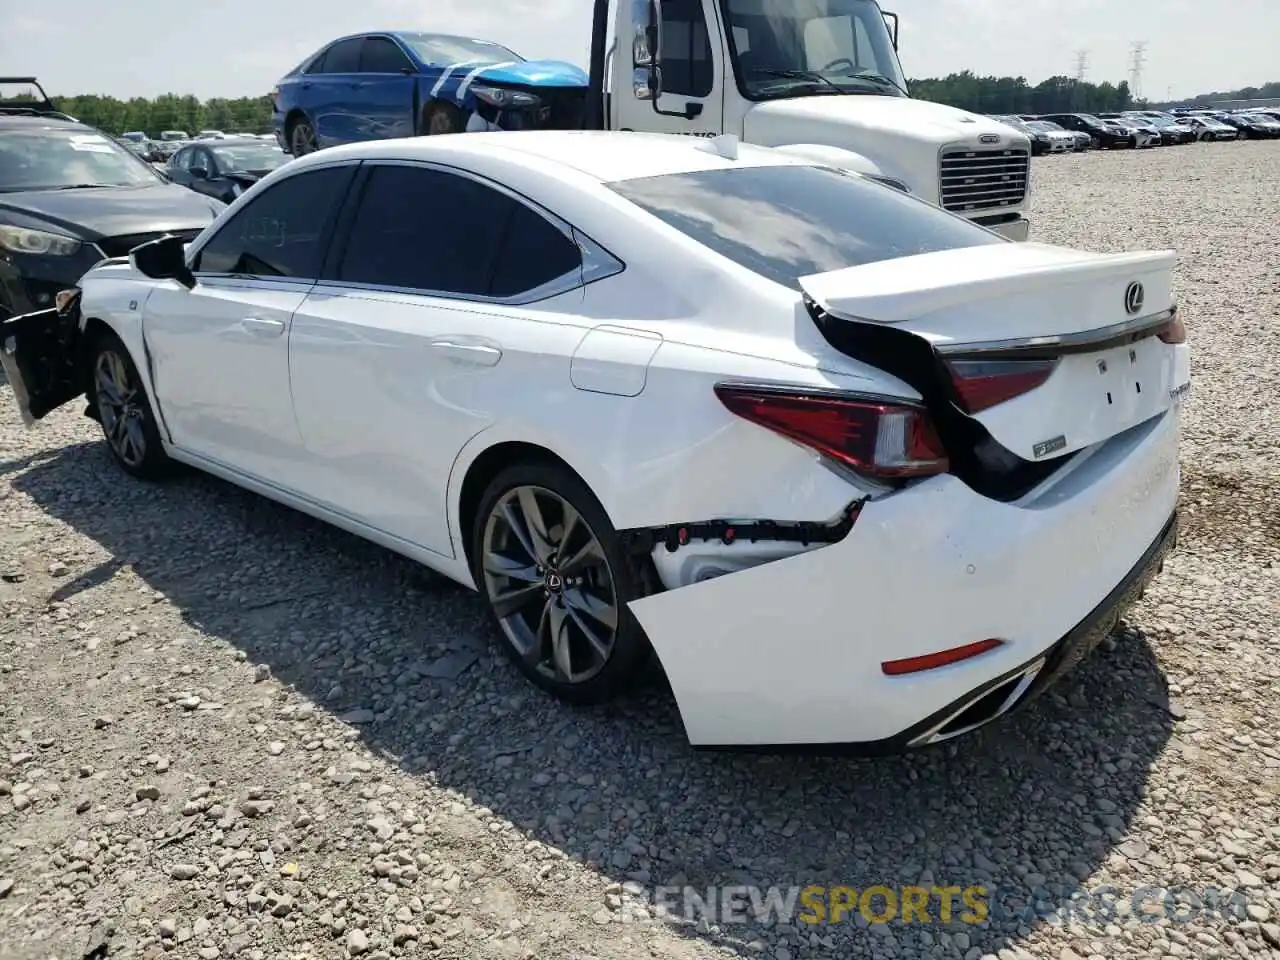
240,47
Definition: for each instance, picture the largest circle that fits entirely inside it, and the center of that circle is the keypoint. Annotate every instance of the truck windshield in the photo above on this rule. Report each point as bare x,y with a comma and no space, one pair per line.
789,48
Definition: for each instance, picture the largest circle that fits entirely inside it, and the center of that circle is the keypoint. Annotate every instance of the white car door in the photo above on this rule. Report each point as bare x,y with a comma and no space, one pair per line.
445,293
220,351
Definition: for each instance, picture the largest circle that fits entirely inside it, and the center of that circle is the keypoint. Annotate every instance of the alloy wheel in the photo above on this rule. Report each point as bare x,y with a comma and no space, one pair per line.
550,584
120,408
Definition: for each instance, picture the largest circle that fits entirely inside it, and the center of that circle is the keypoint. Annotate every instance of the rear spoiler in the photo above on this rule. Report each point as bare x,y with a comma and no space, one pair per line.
42,107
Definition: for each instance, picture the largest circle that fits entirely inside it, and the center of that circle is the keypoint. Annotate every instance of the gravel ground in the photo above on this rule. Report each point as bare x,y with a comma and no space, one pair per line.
227,730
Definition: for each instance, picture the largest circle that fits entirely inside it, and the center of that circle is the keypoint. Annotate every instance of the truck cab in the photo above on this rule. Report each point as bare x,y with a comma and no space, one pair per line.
820,77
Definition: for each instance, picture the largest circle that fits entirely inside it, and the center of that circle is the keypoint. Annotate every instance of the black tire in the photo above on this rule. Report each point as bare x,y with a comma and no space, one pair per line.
441,118
130,423
629,653
301,137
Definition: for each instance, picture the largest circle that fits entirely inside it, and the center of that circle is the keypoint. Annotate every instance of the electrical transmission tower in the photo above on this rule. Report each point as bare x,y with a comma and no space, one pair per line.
1082,64
1137,60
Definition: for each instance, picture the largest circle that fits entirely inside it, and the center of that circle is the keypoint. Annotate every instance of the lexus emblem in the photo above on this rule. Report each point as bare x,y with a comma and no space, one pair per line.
989,138
1134,296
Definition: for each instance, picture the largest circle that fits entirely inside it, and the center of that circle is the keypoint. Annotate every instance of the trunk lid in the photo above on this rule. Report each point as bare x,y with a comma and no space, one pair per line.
1089,320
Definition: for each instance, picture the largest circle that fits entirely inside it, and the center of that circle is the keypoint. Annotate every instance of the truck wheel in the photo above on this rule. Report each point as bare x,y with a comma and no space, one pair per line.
441,118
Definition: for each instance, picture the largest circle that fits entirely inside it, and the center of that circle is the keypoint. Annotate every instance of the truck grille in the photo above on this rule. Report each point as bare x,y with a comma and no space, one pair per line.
983,179
120,246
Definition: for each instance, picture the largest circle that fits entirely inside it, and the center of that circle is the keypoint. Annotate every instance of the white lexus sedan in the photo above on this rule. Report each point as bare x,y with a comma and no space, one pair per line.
857,471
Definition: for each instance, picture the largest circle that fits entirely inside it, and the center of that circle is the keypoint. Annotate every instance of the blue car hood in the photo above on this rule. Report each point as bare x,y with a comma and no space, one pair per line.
536,73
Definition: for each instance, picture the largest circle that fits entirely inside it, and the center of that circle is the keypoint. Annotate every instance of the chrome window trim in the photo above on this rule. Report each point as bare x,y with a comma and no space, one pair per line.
597,262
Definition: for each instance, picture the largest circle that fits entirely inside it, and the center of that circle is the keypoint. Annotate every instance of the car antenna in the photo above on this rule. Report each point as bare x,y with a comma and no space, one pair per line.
725,145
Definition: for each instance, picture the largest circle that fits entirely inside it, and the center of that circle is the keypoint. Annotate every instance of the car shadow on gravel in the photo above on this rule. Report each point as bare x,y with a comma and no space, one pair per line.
1026,810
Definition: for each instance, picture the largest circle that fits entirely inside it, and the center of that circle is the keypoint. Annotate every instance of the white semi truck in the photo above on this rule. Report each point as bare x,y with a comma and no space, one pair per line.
817,77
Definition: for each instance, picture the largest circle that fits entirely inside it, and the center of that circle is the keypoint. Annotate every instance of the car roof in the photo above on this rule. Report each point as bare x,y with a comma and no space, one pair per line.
604,156
20,121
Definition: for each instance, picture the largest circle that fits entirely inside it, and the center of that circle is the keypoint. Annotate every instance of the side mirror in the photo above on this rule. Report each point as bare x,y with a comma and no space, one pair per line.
891,21
163,259
653,42
198,173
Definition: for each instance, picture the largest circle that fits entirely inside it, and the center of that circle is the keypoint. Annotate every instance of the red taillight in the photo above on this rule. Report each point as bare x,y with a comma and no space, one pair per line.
931,661
1175,331
879,438
981,384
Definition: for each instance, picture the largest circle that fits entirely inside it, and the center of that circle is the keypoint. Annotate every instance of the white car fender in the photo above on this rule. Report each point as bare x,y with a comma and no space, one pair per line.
117,297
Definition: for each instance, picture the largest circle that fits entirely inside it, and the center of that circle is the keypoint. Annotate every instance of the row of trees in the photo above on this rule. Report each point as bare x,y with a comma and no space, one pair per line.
965,90
169,112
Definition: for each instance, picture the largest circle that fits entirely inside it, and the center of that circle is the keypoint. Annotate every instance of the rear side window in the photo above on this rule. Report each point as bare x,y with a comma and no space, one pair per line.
787,222
425,229
342,57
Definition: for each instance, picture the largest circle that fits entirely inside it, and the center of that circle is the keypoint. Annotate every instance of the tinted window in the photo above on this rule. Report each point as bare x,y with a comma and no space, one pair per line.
686,49
533,252
342,57
429,230
282,232
787,222
181,160
380,55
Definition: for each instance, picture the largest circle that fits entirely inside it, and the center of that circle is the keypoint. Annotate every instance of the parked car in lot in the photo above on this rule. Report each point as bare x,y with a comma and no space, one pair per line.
669,395
1171,131
1041,142
1105,135
69,196
1253,126
1147,134
419,83
1060,140
1209,128
224,168
1079,139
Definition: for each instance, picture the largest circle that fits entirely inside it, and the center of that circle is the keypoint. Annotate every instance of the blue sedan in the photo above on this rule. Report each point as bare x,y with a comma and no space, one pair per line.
372,86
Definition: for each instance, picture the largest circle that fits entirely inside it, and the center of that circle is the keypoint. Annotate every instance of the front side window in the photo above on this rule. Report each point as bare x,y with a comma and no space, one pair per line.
380,55
441,50
792,48
424,229
787,222
283,232
687,66
66,158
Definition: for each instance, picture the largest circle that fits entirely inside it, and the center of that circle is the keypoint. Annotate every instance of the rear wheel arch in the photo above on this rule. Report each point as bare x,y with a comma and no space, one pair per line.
485,467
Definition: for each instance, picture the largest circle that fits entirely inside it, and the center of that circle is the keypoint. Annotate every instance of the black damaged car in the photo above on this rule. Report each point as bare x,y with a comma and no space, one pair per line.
224,169
70,196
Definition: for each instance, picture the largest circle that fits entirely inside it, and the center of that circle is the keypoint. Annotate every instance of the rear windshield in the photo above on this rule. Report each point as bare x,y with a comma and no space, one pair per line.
787,222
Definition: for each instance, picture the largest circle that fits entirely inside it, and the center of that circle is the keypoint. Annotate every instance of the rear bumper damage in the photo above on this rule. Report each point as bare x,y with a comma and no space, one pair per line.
788,654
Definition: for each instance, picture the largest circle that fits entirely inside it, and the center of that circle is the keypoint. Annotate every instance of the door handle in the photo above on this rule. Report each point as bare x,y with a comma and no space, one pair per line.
262,328
479,354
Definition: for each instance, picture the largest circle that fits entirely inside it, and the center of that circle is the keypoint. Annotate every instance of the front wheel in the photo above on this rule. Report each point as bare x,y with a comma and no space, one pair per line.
550,564
124,410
